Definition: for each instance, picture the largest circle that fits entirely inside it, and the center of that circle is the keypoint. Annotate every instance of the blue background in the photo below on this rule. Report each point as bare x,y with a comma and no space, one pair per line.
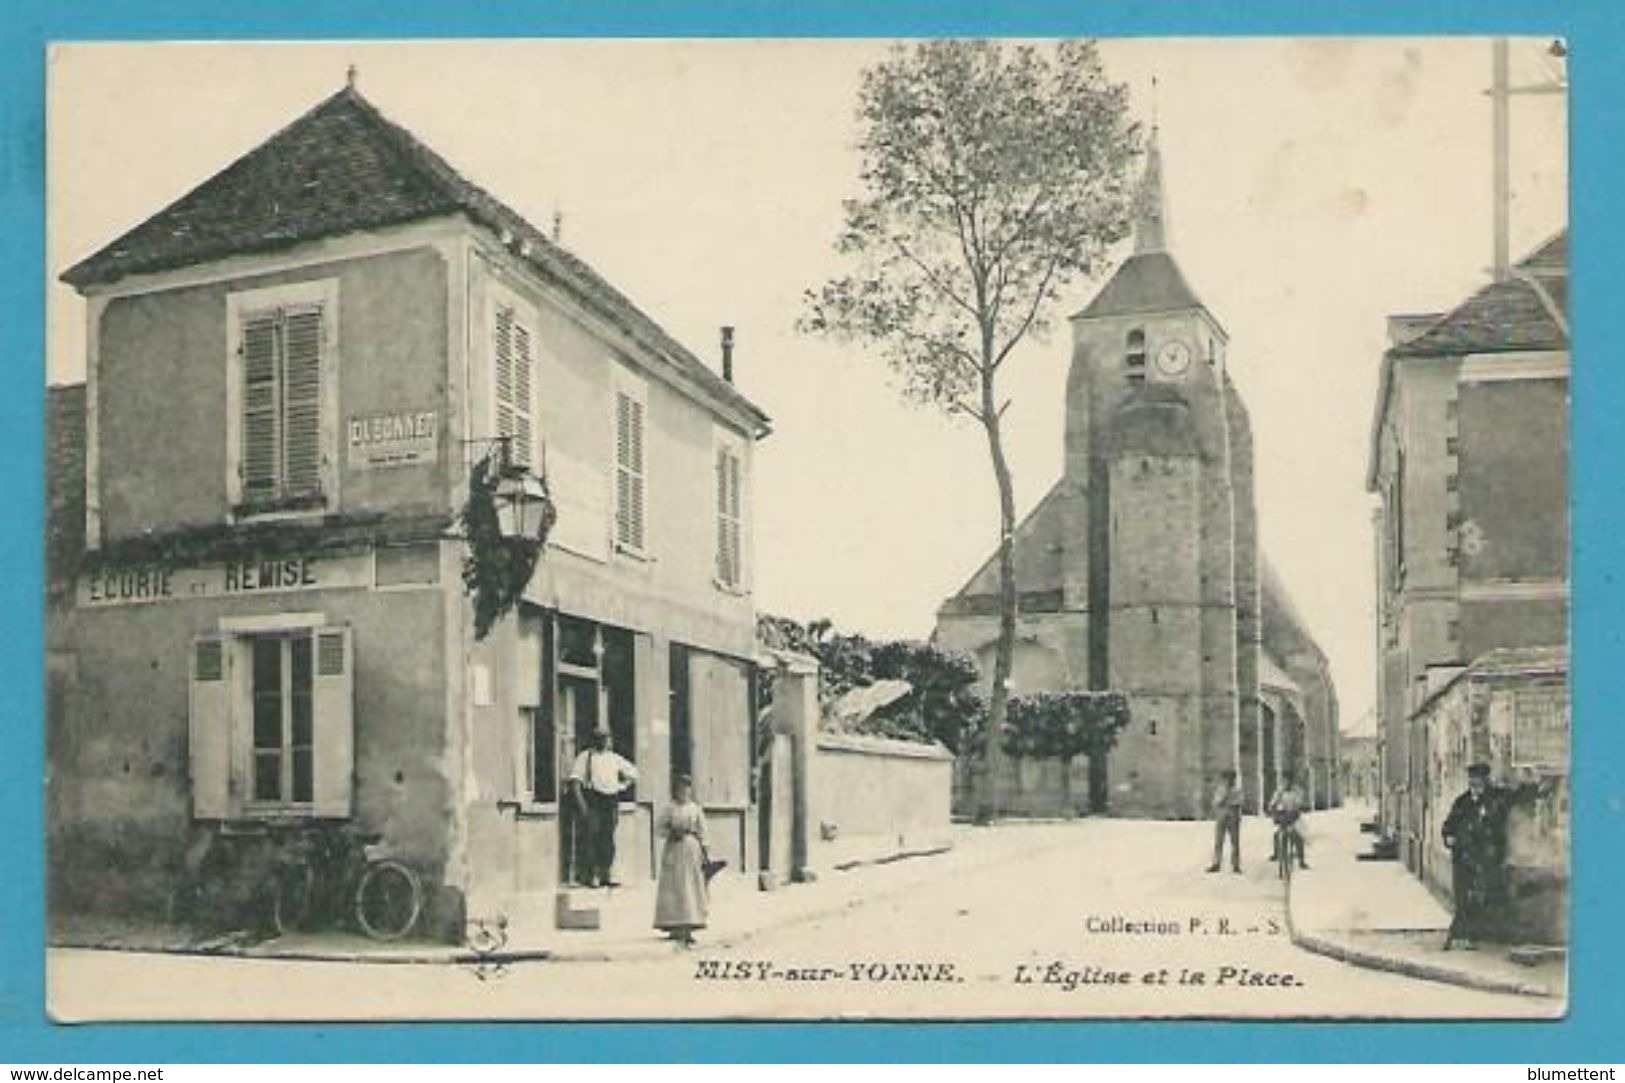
1592,1032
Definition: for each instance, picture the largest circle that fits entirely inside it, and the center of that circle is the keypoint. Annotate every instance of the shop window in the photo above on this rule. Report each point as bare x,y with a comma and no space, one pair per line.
271,723
578,643
281,438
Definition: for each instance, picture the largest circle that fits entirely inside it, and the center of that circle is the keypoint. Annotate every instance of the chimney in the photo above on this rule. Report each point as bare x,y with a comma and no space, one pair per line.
728,354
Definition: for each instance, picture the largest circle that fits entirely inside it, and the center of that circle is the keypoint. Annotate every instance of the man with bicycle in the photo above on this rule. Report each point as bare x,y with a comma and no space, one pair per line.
1286,809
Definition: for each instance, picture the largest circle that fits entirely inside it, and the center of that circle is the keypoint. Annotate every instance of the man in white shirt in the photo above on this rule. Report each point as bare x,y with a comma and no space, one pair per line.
599,776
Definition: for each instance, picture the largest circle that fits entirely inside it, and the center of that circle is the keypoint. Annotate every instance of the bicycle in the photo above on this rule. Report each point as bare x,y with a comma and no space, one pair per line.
329,874
1284,845
1288,849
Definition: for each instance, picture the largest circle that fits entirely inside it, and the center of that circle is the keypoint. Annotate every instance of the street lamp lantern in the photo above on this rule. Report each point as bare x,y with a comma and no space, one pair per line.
524,510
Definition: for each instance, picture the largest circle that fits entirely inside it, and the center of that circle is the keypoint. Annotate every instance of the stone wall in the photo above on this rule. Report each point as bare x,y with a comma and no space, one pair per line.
871,798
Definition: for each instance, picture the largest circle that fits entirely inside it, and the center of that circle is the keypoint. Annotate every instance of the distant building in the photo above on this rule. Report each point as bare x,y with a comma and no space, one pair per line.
1469,458
1358,762
258,617
1140,571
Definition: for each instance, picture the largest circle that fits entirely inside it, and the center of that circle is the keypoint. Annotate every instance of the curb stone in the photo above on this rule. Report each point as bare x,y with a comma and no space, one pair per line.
1411,968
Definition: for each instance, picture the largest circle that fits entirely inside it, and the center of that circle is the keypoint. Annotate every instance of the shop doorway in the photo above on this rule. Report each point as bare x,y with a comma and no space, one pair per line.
593,687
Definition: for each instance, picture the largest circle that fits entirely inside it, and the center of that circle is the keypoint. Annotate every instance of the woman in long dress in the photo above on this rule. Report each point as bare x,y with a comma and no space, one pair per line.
682,898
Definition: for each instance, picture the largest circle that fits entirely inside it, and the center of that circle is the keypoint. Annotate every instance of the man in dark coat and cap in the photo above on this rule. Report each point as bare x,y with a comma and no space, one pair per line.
1476,834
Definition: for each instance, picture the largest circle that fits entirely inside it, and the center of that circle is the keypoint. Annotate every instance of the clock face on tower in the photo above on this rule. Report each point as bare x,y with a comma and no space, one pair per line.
1174,358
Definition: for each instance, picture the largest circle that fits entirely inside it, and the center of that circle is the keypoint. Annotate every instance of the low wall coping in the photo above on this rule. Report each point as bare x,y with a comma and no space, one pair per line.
864,745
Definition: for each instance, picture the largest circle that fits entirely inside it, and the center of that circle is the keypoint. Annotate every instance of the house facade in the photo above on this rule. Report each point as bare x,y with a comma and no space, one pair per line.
1469,462
1141,572
291,373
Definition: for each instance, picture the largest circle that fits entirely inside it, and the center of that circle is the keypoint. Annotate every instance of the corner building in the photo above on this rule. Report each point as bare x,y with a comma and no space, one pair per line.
256,612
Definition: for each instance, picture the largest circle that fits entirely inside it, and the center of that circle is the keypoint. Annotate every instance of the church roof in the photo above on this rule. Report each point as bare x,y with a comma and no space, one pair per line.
1038,554
344,167
1149,280
1146,282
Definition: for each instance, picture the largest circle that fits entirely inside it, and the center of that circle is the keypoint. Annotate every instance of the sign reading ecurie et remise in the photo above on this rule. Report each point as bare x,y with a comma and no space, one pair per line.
136,584
400,438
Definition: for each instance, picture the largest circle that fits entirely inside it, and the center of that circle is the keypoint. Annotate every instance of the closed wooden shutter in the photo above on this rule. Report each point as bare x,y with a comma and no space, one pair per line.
302,402
719,720
524,362
502,353
730,556
334,699
262,408
515,359
629,471
283,357
209,728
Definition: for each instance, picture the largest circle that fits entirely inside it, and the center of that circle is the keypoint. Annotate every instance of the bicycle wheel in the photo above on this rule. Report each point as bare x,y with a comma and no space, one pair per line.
1283,853
387,900
291,898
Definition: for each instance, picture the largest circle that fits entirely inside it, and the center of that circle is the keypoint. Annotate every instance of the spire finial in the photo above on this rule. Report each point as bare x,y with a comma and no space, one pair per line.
350,75
558,226
1153,104
1150,215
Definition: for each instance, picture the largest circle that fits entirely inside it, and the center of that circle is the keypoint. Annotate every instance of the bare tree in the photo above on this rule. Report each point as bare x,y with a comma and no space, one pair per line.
991,176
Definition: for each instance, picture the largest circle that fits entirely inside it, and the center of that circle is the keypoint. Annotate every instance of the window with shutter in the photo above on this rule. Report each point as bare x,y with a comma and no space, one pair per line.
514,359
272,724
630,526
730,517
281,458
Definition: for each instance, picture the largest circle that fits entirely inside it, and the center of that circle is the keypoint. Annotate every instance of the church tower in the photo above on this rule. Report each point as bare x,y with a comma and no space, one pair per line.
1140,570
1150,541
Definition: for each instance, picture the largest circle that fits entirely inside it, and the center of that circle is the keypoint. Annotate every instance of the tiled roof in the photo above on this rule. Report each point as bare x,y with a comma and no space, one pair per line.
1146,282
343,167
1553,255
1513,314
64,481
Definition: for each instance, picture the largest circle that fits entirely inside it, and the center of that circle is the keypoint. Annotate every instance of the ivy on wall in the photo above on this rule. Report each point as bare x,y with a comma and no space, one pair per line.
496,569
1063,725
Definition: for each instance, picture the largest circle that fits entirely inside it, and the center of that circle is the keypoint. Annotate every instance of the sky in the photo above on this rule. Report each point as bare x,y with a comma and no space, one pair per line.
1314,187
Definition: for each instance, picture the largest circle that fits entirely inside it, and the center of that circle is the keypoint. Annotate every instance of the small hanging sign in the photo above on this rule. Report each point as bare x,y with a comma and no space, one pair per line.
402,438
